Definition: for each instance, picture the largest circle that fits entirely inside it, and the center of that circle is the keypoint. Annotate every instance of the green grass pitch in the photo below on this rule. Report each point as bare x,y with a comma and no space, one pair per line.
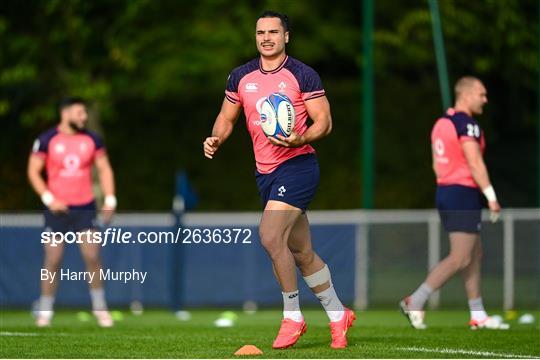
158,334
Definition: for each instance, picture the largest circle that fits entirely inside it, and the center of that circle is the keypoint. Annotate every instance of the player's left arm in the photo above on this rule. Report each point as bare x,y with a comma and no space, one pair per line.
106,179
319,111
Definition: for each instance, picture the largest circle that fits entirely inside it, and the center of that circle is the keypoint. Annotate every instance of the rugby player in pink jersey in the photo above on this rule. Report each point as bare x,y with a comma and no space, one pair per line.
457,148
67,153
287,172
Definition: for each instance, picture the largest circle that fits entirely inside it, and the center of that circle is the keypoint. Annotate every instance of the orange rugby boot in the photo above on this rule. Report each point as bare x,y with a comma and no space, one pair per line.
289,333
339,329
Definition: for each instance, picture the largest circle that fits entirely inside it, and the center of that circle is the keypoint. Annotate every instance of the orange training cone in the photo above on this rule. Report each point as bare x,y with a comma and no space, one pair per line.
248,350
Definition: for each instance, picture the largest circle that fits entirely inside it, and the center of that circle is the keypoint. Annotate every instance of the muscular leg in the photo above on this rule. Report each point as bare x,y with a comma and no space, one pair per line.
471,273
310,263
276,224
461,251
274,230
471,279
90,255
305,258
285,235
52,261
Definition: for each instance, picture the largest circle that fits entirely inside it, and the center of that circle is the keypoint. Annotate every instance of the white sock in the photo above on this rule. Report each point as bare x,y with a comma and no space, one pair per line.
477,309
98,299
420,296
291,306
331,303
46,303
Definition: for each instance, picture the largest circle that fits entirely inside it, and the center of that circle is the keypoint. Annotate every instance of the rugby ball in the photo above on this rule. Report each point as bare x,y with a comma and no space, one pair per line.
277,115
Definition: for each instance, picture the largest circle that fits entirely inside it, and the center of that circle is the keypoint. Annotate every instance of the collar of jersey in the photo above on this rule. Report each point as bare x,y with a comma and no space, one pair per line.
274,70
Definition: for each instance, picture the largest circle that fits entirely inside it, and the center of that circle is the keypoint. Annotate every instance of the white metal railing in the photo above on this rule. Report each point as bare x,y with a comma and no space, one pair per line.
360,218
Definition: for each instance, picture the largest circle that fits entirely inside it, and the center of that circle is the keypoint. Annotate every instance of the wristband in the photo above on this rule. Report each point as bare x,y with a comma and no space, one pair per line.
489,193
47,198
110,202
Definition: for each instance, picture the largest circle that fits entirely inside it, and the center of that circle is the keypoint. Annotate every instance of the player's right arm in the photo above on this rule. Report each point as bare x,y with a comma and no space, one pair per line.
434,161
473,155
36,165
223,127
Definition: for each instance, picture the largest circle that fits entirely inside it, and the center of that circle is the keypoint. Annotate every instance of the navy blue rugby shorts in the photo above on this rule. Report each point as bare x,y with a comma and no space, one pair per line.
293,182
460,208
78,218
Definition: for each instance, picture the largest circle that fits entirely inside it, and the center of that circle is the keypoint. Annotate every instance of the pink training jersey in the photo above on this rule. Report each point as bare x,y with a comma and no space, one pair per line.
68,163
250,85
448,133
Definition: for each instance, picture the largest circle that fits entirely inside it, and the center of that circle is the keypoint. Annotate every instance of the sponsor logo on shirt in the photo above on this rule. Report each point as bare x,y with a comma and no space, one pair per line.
258,106
60,148
72,164
438,147
252,87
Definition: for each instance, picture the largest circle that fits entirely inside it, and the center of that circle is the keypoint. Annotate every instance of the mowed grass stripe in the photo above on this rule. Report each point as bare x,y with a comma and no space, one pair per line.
158,334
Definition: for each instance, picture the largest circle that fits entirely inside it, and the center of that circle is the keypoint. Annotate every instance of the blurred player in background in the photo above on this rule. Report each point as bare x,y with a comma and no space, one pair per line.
287,171
67,153
457,147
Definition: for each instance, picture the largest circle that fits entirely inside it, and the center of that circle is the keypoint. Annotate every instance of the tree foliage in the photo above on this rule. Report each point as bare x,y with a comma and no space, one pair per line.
154,72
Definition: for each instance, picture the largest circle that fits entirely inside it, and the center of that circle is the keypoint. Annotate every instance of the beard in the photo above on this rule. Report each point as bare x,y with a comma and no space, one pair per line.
75,127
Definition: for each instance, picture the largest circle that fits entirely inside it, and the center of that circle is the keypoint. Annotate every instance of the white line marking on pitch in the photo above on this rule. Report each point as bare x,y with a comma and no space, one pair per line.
467,352
9,333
